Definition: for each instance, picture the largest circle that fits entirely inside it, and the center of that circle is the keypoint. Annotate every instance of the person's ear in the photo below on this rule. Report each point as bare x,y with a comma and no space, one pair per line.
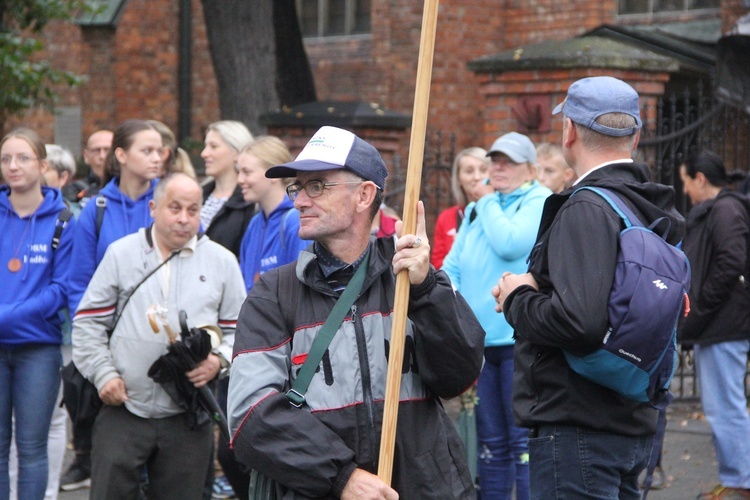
366,195
64,177
532,173
701,178
43,166
121,155
570,134
637,140
568,175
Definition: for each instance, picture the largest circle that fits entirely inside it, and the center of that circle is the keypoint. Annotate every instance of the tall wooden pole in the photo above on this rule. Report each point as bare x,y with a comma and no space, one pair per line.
411,197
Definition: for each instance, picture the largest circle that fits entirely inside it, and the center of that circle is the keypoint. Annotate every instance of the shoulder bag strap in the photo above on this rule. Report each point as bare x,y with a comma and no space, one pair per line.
296,395
153,271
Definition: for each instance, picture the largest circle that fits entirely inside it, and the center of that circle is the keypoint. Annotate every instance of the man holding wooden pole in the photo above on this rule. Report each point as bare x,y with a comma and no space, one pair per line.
316,430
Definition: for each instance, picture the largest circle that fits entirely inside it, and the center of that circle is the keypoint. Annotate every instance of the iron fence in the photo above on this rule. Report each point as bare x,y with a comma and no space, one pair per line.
685,123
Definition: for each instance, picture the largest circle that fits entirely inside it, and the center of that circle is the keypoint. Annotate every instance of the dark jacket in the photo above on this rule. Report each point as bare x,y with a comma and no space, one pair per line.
716,245
573,262
230,222
313,450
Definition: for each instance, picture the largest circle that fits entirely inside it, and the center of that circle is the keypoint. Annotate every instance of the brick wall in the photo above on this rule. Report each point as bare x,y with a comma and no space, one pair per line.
382,67
501,92
131,70
533,21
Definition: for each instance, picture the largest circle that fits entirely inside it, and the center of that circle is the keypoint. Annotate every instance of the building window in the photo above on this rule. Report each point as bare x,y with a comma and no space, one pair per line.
319,18
659,6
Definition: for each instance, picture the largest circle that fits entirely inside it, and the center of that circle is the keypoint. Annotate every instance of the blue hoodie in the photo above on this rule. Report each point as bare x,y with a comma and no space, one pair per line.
264,247
496,235
122,216
33,296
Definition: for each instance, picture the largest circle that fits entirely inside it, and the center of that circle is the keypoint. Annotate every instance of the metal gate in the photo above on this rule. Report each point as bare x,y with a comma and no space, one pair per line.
685,123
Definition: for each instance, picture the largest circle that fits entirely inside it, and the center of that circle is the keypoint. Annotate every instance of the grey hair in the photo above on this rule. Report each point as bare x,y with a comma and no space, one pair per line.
61,159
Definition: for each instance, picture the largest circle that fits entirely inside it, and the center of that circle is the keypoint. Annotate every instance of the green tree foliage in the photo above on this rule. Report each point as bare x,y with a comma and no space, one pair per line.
25,79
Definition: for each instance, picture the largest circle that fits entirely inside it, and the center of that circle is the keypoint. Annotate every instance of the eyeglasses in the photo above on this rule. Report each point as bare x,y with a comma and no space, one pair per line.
314,189
21,160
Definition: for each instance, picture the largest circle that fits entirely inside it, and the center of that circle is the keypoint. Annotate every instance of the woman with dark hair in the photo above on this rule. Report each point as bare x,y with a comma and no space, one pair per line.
119,209
132,166
34,275
718,326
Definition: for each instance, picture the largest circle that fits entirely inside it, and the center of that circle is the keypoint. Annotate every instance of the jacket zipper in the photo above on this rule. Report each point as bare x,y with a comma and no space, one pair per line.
364,366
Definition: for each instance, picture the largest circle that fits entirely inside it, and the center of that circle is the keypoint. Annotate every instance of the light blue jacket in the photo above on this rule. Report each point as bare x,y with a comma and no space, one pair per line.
498,238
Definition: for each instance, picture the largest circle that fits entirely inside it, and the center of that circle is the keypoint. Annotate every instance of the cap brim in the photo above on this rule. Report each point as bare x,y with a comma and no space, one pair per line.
558,108
290,169
510,154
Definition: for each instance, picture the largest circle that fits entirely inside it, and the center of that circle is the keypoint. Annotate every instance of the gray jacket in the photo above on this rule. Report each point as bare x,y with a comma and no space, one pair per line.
206,283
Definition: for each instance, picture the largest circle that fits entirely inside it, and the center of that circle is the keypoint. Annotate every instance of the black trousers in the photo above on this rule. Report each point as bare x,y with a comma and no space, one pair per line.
175,457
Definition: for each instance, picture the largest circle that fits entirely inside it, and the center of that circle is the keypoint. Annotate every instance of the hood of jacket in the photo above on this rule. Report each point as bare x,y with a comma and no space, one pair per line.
632,181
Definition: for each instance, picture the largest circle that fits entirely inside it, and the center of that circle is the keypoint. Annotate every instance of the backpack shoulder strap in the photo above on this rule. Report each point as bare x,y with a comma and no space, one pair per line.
101,204
627,215
62,220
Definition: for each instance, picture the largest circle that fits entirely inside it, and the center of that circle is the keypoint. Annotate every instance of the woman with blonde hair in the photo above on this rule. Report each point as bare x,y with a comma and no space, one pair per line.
470,168
271,238
225,214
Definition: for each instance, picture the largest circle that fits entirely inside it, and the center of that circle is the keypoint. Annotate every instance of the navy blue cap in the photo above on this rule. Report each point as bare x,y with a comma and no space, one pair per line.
333,148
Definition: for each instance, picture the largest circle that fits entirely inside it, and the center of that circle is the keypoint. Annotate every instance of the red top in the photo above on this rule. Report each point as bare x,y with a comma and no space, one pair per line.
387,225
446,228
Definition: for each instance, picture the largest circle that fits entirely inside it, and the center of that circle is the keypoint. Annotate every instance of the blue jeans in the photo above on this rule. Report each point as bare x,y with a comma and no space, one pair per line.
721,373
29,382
574,462
503,452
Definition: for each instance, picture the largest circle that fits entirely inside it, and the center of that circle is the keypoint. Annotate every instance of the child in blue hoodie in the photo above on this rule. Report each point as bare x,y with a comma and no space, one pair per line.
271,238
33,272
121,206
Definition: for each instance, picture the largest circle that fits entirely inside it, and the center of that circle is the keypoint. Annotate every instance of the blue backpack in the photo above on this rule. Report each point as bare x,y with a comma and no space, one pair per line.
638,355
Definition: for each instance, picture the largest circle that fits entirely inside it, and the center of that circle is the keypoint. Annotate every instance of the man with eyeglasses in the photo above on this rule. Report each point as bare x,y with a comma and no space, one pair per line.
327,445
94,155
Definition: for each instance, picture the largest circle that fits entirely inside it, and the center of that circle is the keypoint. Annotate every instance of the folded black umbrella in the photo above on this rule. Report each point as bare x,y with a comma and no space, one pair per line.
169,371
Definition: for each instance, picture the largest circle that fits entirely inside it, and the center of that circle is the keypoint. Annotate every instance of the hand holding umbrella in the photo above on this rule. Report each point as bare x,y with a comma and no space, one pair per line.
184,371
